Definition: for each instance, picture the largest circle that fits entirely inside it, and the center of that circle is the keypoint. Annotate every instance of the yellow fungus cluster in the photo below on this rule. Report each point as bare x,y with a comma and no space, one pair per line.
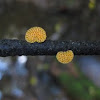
65,56
35,34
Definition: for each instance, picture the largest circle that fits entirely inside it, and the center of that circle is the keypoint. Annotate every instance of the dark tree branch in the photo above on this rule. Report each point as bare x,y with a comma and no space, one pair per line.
21,47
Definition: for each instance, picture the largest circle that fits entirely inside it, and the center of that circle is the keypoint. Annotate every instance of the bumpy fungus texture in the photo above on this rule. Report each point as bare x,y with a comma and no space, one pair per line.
65,56
35,34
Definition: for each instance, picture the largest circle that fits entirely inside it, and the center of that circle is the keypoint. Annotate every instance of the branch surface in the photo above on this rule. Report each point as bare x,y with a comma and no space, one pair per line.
21,47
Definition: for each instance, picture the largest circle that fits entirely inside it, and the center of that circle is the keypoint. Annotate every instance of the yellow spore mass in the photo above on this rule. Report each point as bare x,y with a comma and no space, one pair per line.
65,56
35,34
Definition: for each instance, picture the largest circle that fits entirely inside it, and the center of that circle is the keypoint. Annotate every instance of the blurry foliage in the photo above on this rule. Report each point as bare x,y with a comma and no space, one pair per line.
80,88
33,81
92,4
70,3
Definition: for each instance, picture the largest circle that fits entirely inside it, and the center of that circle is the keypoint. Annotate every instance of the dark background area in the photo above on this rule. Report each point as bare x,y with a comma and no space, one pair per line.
43,77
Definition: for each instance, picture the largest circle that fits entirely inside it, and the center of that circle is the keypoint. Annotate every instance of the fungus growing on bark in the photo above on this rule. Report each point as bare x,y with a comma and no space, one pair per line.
35,34
65,56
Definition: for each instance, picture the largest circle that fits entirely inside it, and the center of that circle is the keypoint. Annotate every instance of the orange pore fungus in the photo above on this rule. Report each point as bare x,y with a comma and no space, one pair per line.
65,56
35,34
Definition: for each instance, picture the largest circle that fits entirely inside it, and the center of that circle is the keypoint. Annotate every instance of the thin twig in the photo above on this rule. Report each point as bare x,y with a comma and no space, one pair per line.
21,47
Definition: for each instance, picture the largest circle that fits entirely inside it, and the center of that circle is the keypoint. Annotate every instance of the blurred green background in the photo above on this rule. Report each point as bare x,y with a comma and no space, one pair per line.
43,77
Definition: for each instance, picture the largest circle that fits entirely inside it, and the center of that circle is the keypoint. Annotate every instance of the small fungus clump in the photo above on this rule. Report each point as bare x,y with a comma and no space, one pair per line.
65,56
35,34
